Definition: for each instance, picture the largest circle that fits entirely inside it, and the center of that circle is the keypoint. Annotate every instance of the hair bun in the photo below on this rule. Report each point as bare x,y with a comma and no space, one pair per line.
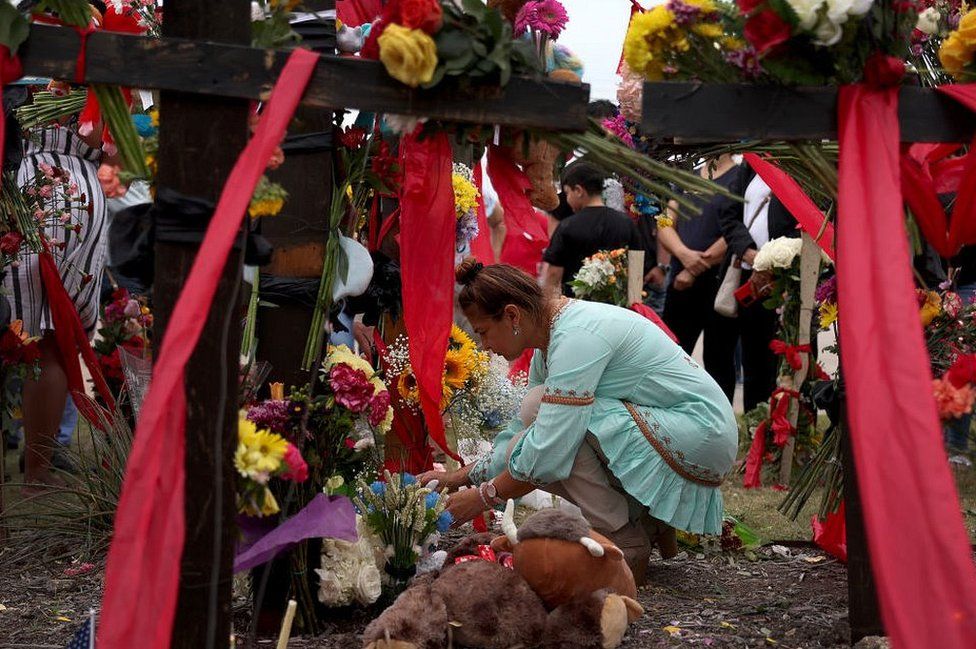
467,270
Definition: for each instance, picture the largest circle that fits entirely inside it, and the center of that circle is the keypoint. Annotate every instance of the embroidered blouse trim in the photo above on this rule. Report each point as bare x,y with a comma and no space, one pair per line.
673,458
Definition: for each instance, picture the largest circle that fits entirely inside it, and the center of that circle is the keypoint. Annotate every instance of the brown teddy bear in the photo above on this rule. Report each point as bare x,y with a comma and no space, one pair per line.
569,588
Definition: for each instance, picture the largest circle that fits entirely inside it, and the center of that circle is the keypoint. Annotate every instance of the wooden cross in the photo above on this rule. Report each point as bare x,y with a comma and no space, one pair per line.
207,74
735,112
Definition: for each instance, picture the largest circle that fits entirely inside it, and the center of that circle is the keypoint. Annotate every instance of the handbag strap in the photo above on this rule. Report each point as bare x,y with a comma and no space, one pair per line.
755,215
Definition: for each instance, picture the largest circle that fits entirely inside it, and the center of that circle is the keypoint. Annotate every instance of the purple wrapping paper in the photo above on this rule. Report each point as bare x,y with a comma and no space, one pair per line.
324,517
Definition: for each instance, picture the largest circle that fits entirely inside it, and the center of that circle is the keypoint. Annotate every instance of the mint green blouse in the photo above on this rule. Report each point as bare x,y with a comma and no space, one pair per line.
665,427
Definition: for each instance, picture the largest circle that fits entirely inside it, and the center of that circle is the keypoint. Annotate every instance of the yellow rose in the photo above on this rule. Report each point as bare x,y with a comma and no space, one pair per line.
409,55
954,54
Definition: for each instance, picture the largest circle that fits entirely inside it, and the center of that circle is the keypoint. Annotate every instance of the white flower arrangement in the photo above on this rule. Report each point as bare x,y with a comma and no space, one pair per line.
351,572
825,19
778,253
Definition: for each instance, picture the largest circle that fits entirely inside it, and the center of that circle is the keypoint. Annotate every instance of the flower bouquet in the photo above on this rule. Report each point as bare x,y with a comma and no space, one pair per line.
603,278
260,456
466,196
476,415
406,517
19,357
126,324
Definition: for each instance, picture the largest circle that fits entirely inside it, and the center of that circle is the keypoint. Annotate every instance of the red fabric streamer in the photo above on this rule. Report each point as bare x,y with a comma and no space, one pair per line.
10,71
754,461
649,313
793,353
526,235
830,535
71,338
427,233
143,569
357,12
779,407
481,244
894,425
796,202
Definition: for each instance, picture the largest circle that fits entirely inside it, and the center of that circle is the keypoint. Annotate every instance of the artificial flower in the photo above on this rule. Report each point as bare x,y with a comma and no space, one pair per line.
828,314
409,55
764,29
952,402
542,16
928,21
425,15
930,307
828,33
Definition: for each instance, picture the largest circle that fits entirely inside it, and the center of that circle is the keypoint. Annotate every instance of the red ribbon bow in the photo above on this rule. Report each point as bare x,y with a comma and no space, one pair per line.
485,553
792,352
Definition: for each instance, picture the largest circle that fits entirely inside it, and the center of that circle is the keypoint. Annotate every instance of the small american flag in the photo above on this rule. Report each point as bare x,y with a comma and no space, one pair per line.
85,635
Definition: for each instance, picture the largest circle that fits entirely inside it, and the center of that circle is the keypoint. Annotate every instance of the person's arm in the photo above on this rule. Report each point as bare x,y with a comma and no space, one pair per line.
716,252
658,274
732,218
669,238
497,231
554,279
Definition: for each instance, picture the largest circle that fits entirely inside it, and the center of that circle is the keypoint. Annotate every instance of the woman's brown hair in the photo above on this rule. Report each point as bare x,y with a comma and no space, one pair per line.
490,288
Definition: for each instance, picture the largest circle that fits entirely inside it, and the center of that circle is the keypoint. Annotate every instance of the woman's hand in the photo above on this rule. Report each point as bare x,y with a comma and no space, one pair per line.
449,480
464,505
693,260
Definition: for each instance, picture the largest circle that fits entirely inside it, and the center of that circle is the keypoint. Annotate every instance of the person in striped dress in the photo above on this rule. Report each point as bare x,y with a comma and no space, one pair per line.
80,261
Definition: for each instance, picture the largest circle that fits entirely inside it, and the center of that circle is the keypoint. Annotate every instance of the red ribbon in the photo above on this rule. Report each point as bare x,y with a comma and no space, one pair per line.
779,407
793,353
831,533
71,338
754,461
481,244
485,553
10,71
929,601
795,200
527,235
427,234
649,313
143,567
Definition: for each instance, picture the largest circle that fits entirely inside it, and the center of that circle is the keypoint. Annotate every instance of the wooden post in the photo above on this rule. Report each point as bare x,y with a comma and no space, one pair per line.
809,271
635,276
200,138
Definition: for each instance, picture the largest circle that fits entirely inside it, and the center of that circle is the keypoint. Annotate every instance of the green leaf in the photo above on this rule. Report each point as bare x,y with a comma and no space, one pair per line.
475,7
14,27
451,45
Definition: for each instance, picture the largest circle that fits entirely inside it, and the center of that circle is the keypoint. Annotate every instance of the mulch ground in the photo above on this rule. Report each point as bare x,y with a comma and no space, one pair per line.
776,596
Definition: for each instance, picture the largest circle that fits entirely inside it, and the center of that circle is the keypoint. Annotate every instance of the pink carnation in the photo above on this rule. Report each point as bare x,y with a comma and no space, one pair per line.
351,387
378,406
545,16
953,402
618,126
297,468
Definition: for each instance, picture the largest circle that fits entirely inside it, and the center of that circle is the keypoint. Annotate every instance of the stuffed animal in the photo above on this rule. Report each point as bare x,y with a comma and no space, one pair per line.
475,601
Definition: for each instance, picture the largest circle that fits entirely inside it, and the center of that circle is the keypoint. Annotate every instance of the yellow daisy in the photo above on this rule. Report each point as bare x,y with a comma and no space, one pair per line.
259,452
828,314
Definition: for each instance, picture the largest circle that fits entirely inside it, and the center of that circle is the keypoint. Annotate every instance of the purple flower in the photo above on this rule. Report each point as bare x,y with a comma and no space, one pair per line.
747,60
352,388
467,229
546,16
273,415
684,14
827,290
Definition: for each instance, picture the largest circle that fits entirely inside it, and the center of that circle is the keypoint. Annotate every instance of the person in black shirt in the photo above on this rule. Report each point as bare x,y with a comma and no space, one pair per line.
697,250
592,227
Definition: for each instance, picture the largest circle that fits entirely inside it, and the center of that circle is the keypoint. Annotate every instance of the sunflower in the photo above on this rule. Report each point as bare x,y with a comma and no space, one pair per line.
259,452
457,367
461,340
407,387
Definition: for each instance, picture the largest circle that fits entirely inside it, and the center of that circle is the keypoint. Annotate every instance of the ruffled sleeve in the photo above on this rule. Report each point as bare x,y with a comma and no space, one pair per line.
547,450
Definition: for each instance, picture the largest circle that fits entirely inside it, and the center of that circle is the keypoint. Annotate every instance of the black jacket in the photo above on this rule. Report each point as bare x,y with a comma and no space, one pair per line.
733,221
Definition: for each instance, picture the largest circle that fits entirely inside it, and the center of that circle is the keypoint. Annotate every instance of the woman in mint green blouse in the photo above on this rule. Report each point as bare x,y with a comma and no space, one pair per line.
628,422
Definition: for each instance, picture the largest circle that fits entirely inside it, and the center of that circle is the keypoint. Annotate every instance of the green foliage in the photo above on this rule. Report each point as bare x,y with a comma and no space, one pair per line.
14,27
275,30
476,43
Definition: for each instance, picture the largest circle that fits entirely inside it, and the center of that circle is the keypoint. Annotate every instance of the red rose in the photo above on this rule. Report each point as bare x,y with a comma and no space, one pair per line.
421,14
766,30
10,243
353,137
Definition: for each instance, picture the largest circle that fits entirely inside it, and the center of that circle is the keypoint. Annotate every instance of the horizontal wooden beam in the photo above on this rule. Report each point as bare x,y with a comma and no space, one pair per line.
706,112
246,72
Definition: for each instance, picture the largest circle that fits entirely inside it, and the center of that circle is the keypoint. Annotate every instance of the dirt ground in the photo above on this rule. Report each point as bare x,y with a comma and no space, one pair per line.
784,597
